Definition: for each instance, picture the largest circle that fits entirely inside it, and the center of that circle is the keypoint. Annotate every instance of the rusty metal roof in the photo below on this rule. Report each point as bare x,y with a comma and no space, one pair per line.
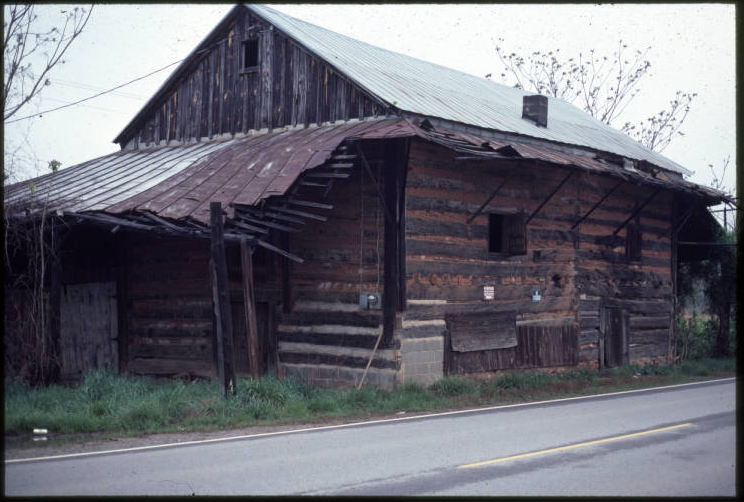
422,88
473,146
179,182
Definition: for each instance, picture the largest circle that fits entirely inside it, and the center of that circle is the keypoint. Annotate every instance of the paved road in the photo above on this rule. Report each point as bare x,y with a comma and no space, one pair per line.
677,441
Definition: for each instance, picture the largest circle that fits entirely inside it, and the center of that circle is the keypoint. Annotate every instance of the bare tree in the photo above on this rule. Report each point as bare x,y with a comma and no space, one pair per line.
23,43
30,55
603,86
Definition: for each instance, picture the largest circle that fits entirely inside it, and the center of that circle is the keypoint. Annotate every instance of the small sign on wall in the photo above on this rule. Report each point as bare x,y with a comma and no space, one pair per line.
488,292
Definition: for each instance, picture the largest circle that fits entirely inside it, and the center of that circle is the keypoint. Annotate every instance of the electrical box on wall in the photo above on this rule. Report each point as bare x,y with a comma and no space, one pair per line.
369,301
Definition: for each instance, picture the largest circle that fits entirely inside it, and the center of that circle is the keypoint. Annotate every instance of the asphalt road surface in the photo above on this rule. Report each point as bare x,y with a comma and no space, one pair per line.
667,442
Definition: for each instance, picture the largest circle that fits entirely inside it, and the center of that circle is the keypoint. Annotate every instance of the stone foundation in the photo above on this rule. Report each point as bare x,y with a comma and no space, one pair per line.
421,360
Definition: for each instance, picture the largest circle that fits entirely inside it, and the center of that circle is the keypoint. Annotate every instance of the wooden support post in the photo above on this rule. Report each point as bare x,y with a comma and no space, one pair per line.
391,193
603,323
122,290
249,305
676,227
222,319
402,175
625,337
286,244
272,350
55,326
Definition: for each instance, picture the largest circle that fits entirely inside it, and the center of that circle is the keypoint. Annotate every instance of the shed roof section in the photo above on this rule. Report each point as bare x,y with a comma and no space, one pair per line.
179,182
422,88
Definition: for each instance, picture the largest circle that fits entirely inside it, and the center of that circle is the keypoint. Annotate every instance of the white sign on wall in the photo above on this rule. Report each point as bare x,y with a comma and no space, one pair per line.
488,292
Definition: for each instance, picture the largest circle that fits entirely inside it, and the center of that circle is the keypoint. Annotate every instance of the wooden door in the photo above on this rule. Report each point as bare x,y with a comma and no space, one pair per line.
266,343
615,334
88,328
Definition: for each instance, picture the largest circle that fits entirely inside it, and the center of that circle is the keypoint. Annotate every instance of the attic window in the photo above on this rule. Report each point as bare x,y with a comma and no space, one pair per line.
250,54
507,234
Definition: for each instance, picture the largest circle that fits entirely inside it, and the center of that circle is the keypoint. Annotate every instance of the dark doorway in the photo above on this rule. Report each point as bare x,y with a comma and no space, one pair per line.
615,333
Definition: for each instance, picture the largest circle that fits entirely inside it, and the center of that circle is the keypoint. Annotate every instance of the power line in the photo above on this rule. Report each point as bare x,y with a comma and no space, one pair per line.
92,107
78,85
94,96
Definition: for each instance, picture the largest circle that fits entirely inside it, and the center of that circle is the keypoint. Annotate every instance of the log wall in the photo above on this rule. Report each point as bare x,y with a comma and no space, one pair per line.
169,307
325,336
606,278
448,262
168,322
216,96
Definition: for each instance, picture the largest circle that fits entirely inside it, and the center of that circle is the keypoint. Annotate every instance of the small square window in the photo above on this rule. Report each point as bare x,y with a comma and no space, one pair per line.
250,53
507,234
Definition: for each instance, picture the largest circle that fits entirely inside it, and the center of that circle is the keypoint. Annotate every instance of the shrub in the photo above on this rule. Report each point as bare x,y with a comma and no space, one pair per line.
696,337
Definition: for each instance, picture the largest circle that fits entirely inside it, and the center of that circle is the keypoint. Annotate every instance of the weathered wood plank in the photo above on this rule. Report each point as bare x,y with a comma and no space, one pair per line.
335,360
223,329
157,366
471,332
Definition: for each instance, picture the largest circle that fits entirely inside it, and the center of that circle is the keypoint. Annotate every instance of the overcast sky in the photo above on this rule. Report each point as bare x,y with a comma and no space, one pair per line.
692,50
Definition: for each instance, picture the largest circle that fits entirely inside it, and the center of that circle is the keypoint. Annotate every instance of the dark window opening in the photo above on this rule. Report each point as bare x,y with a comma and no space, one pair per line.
250,54
633,242
507,234
496,233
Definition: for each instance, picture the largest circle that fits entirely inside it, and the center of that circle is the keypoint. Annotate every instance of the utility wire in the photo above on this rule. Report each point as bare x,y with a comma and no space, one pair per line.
94,96
77,85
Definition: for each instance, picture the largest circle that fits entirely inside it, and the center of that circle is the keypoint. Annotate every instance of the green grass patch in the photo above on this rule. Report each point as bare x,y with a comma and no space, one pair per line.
113,404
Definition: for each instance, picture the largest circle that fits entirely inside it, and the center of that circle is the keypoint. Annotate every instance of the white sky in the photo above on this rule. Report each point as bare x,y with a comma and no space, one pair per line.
693,50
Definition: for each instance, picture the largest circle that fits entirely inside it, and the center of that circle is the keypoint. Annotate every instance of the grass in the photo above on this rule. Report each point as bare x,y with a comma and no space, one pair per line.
105,402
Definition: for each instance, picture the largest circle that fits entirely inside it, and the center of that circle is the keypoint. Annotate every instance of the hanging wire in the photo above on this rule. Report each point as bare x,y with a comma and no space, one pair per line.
91,97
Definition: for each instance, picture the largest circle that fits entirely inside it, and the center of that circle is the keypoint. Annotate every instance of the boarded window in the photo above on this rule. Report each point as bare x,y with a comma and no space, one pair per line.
250,54
633,242
544,345
507,234
493,330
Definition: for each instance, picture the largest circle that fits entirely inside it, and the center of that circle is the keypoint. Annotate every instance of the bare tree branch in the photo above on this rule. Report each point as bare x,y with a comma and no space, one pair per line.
603,86
22,44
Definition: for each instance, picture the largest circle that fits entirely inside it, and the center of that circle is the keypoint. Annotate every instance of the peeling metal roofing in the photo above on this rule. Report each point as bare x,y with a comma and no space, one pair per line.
422,88
179,182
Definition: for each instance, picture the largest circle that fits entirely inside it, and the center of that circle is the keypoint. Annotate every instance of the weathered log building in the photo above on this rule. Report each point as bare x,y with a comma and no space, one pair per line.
381,213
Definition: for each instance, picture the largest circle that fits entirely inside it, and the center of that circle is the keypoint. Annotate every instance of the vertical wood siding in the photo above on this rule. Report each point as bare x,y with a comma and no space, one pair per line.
291,87
88,328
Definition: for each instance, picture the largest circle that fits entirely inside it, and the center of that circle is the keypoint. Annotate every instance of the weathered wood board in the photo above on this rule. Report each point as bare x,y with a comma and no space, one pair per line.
288,87
88,327
471,332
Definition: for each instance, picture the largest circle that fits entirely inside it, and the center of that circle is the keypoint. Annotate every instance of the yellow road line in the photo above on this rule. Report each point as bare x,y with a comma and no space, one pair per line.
572,446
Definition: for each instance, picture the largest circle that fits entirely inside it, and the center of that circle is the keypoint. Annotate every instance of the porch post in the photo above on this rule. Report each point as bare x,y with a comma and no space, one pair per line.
222,332
249,306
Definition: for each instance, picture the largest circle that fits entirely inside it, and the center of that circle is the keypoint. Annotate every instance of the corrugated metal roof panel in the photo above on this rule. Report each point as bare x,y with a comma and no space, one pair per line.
179,182
424,88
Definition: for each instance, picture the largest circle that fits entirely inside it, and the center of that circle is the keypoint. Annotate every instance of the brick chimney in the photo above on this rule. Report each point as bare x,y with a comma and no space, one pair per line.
535,108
